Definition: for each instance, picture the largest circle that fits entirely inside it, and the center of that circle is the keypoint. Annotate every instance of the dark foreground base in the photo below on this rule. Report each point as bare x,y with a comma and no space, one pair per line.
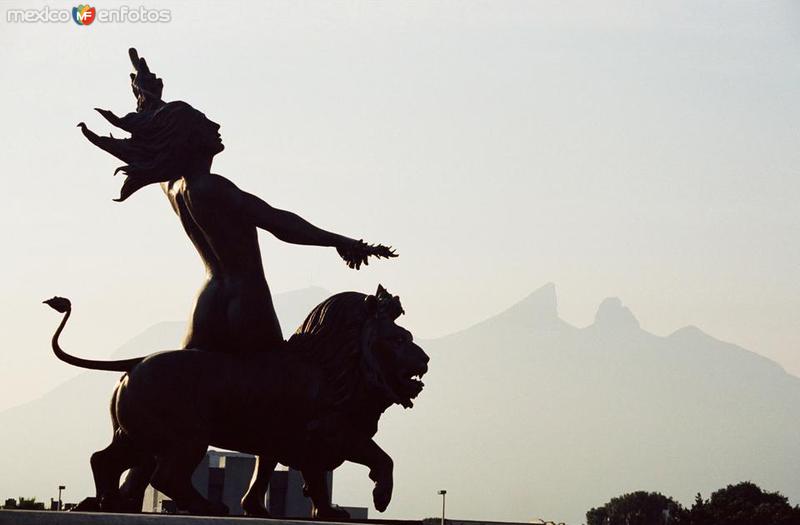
36,517
40,517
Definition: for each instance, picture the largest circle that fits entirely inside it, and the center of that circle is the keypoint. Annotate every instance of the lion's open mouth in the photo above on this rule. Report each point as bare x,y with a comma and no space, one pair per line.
410,383
415,380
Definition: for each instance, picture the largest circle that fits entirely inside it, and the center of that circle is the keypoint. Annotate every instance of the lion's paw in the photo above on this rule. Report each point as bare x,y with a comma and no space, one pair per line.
216,508
333,512
255,510
382,494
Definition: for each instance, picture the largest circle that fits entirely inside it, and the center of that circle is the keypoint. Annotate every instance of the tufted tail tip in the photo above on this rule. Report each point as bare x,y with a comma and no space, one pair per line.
59,304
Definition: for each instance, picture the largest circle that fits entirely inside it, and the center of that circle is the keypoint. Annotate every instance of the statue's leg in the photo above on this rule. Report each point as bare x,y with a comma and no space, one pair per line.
239,321
316,488
253,501
173,477
207,328
368,453
252,322
107,467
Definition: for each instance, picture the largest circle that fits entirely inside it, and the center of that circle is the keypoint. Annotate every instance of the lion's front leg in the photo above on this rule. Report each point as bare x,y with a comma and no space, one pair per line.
316,488
380,465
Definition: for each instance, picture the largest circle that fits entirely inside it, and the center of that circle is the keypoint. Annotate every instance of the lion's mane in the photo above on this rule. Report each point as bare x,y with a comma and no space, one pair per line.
331,337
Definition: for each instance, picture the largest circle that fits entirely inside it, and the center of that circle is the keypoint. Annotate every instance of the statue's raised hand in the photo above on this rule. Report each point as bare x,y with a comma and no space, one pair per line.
358,252
147,88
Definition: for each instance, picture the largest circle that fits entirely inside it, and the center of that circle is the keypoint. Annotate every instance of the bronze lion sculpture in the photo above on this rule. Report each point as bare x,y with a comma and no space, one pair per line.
311,405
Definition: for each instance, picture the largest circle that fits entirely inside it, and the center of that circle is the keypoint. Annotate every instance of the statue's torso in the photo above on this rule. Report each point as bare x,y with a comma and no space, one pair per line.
224,238
234,310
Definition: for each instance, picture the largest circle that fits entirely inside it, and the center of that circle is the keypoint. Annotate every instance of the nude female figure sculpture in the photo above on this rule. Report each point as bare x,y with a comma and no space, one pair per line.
174,144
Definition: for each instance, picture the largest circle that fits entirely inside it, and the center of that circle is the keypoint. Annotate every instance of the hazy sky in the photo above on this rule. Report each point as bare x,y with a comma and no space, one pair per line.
640,150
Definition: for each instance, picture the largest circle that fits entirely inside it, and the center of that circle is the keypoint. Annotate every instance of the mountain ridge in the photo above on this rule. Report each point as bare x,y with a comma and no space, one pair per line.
560,418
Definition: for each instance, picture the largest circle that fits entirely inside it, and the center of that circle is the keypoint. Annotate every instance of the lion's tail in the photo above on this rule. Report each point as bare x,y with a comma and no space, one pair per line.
63,305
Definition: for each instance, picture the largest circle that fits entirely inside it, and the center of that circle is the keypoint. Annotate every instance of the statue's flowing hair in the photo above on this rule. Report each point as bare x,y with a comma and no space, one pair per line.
159,146
331,337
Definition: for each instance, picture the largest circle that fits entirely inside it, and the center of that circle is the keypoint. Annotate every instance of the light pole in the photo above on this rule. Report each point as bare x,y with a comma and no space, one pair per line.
443,494
60,488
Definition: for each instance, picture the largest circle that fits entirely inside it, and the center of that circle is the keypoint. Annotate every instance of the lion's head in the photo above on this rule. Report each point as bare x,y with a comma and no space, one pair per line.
353,336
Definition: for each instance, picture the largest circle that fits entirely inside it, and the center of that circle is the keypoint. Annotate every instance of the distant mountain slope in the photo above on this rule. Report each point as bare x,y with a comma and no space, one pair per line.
523,416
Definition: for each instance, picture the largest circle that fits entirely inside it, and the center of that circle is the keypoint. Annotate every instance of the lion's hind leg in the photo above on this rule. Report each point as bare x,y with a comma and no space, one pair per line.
107,467
253,500
173,477
135,483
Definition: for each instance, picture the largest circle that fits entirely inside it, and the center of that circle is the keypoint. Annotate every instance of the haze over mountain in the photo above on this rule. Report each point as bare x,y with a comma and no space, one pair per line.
523,416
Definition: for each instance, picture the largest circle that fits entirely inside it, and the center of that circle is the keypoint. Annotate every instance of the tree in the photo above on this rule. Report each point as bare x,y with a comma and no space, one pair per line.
744,504
639,508
29,504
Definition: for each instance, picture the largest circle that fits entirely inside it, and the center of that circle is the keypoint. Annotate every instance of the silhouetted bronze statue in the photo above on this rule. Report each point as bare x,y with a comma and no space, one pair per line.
310,404
173,144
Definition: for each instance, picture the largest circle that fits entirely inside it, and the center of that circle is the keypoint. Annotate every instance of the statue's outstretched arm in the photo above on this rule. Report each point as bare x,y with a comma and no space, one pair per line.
292,228
288,226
